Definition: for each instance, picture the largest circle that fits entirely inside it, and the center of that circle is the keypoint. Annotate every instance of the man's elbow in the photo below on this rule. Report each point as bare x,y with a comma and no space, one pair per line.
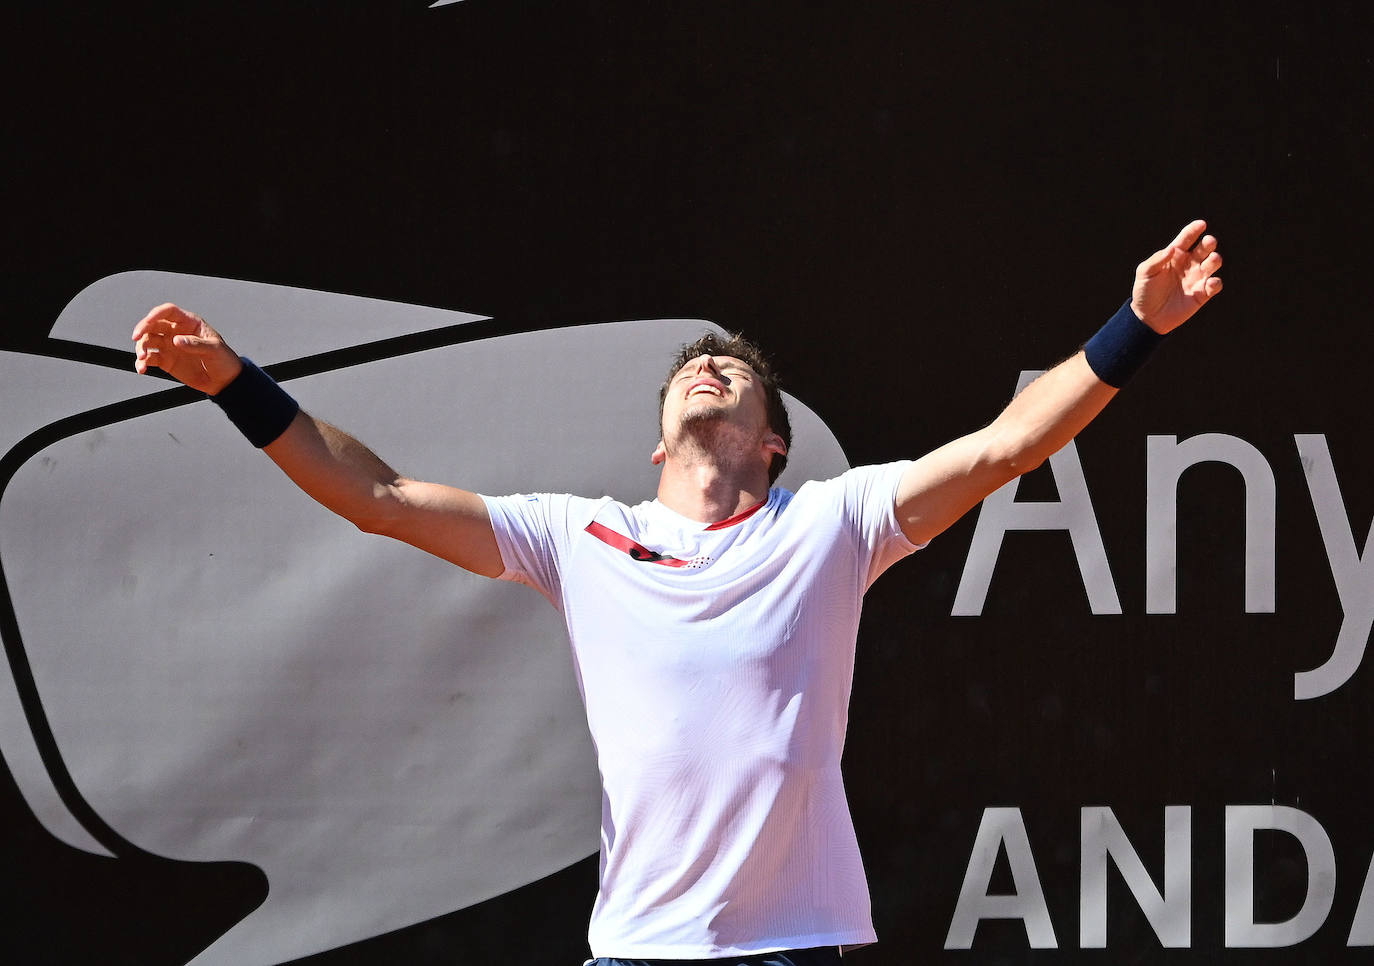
374,525
381,512
1007,456
1020,464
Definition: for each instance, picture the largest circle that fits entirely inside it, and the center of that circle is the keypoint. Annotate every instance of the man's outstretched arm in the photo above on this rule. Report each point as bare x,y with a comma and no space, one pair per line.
942,486
332,467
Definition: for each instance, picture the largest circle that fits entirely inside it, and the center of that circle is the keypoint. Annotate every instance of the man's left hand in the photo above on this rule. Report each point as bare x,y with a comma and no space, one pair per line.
1176,281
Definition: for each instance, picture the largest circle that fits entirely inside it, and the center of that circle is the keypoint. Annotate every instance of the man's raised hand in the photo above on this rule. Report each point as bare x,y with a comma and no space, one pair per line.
1176,281
183,345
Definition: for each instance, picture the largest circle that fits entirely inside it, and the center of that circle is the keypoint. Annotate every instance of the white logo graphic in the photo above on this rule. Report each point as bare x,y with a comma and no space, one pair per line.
222,670
1165,898
1352,569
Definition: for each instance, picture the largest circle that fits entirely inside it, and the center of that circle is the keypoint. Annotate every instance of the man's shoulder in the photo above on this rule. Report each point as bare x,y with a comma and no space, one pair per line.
856,478
555,510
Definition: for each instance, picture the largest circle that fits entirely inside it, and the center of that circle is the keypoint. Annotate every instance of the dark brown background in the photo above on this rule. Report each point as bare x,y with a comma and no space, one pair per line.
908,203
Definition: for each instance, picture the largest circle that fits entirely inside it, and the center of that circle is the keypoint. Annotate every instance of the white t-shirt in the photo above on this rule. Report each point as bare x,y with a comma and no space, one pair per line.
715,663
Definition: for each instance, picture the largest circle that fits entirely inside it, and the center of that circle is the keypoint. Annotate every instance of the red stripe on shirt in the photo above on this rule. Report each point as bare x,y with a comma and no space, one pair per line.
636,551
643,554
739,517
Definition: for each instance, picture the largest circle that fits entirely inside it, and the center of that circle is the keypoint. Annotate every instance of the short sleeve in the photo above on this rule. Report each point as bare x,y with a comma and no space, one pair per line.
869,495
533,532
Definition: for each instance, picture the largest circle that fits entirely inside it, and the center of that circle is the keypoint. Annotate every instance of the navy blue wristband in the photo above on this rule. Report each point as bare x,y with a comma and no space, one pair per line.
1121,347
254,403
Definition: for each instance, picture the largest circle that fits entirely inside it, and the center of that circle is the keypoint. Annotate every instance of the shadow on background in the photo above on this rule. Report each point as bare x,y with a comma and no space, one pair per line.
141,910
524,926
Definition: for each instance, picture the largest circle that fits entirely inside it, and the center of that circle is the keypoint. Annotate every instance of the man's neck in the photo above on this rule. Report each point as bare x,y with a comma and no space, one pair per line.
708,493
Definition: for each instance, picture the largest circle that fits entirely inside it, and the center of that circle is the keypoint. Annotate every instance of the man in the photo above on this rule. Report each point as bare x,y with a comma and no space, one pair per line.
713,628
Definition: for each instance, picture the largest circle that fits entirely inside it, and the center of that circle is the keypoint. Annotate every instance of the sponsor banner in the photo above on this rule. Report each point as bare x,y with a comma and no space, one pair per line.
1122,709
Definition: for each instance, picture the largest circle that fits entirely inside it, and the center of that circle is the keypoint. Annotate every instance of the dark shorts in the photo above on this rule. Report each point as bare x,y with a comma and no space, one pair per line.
822,956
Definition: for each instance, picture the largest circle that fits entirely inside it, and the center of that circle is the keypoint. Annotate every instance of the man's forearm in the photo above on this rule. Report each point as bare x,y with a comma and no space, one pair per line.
346,477
1046,415
945,484
337,471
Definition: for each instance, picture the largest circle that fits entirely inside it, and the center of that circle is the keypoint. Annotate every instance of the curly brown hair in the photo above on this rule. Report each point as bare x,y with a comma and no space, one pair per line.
738,347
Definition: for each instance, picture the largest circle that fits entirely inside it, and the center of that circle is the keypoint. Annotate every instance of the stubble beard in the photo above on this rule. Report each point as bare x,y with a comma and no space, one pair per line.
706,433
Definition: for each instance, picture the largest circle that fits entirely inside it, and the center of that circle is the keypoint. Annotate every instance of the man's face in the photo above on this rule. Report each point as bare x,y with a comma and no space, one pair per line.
713,390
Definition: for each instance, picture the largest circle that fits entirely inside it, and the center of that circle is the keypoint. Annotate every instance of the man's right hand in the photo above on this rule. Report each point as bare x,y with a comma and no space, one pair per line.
183,345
